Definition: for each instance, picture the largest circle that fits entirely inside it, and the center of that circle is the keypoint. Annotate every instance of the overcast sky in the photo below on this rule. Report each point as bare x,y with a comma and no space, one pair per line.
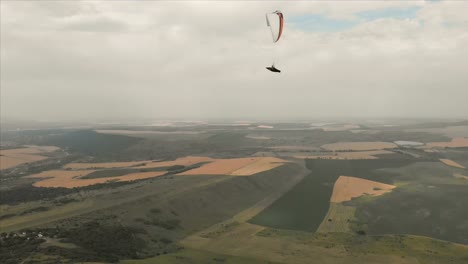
88,60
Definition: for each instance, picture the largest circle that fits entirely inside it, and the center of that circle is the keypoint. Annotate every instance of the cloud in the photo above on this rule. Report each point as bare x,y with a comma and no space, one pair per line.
93,24
397,13
315,22
150,59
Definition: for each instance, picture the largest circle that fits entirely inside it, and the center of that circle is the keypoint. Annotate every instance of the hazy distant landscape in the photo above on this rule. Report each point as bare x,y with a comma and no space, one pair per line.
210,192
234,132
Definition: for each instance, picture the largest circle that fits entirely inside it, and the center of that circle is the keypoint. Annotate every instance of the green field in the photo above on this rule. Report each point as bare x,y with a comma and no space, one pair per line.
437,211
305,206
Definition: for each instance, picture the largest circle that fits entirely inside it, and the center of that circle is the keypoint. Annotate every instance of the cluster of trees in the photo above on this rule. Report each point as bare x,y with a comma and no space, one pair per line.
16,247
95,241
27,193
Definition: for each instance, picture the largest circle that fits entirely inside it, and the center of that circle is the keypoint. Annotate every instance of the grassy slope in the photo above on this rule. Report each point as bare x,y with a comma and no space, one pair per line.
168,209
190,256
429,201
437,211
425,250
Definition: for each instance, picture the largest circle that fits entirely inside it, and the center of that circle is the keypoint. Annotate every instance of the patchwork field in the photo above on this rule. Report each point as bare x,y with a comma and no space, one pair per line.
452,163
145,164
399,205
85,174
140,132
347,188
13,157
72,179
236,167
184,161
106,165
461,142
305,206
348,155
359,146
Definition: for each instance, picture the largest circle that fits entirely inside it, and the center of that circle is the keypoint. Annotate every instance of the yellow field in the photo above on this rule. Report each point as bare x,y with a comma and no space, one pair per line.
215,166
106,165
460,176
340,216
262,164
13,157
359,146
348,155
39,149
346,188
221,166
9,162
237,167
455,143
452,163
185,161
71,179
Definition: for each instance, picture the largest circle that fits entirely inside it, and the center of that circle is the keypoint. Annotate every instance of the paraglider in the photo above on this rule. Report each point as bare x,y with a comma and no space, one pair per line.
275,21
273,69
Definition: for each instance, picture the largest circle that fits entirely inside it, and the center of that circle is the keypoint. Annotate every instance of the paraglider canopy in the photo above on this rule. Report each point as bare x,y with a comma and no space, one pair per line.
275,21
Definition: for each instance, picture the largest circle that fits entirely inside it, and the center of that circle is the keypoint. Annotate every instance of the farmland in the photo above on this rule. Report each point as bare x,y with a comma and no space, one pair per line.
358,146
13,157
371,154
269,244
73,179
131,171
236,167
418,210
229,193
347,188
460,176
305,206
338,219
452,163
455,143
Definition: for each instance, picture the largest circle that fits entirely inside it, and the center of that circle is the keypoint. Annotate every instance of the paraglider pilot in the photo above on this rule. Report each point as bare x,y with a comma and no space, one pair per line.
273,68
